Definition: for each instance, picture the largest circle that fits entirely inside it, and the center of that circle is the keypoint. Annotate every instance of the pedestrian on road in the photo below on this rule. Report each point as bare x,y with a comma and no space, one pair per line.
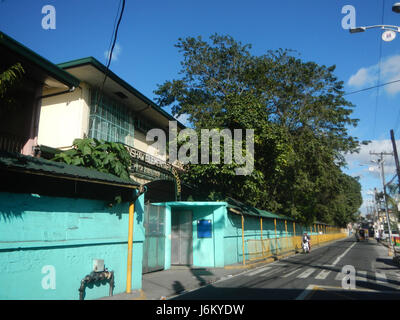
306,238
377,235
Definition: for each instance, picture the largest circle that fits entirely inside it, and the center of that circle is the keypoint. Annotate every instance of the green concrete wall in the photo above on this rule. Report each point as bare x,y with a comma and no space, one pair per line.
51,238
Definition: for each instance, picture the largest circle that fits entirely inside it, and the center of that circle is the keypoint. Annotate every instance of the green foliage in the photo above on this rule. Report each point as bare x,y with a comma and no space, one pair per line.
300,120
107,157
9,81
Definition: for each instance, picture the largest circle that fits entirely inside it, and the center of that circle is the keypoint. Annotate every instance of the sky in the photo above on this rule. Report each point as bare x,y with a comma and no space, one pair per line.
145,55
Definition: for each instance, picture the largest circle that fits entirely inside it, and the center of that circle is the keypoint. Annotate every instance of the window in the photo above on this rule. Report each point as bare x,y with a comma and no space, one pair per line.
110,120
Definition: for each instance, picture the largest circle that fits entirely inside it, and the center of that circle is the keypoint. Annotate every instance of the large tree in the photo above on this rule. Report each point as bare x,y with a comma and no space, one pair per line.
298,113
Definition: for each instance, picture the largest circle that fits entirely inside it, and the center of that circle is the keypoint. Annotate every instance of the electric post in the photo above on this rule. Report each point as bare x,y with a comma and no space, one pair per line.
380,163
396,159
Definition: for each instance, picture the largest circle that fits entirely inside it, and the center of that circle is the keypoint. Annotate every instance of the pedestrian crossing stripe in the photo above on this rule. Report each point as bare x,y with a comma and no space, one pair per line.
323,274
306,273
380,277
339,276
361,276
258,271
290,273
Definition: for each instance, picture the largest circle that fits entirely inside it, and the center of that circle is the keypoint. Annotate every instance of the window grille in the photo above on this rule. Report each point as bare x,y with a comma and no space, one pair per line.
110,121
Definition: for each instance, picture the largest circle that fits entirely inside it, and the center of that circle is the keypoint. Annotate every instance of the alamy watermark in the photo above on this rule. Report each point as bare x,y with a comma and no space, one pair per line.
188,150
49,18
349,20
349,279
49,280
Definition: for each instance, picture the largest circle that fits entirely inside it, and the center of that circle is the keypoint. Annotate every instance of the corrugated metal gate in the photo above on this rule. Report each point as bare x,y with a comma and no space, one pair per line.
154,243
181,238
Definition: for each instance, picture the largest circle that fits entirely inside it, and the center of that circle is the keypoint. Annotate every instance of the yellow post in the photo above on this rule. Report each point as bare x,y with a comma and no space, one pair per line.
262,243
294,236
130,246
244,259
276,238
287,239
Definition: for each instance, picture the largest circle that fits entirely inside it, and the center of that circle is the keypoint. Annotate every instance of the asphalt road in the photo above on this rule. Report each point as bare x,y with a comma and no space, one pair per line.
314,276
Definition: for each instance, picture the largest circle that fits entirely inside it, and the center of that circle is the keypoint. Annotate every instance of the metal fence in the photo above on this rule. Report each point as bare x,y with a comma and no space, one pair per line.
268,248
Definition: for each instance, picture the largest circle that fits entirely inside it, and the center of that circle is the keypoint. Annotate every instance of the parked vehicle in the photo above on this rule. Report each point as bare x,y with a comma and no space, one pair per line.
362,234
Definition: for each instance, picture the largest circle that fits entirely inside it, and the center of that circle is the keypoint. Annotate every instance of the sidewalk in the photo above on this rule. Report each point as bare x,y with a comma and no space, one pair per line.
168,283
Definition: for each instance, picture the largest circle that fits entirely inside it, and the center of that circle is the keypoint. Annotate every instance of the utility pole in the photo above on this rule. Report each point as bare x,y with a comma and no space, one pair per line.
380,163
396,158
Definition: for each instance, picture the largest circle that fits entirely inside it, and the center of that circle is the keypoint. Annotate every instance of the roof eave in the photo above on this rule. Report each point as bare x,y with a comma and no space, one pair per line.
94,62
50,68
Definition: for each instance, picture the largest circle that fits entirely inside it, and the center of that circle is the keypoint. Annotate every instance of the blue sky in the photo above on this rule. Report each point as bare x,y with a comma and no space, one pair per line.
145,54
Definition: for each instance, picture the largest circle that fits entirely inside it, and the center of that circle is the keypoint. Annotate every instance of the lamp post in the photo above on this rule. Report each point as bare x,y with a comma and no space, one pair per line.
390,31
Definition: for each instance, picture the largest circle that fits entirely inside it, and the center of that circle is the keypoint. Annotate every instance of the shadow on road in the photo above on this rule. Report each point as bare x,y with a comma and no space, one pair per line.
217,293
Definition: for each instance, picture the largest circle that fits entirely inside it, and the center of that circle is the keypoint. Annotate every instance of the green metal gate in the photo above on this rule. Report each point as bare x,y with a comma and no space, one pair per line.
154,243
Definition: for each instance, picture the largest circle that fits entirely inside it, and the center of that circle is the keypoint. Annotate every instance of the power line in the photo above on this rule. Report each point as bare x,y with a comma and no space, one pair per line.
373,87
379,69
114,40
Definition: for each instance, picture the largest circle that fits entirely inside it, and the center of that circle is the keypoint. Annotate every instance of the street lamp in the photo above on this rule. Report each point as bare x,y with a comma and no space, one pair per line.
388,35
396,7
390,31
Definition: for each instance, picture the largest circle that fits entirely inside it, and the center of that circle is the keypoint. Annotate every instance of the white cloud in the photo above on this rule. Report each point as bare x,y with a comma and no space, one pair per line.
368,76
363,159
360,164
116,52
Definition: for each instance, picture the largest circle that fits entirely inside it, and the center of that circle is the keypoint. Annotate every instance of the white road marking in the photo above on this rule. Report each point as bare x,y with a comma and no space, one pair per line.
339,276
306,292
290,273
380,277
306,273
268,273
323,274
361,276
257,271
343,254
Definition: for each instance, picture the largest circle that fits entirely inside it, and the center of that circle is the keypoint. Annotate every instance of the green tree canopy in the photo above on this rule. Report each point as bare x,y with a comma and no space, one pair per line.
299,116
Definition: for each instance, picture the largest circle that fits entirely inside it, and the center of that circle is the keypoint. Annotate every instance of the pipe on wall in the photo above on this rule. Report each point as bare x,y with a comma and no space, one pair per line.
95,277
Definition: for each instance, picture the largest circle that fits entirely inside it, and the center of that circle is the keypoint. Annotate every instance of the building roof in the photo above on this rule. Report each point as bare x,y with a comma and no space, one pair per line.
239,207
45,65
91,61
38,166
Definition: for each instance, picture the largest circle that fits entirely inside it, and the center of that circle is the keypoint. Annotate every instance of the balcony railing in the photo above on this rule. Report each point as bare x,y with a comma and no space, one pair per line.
11,143
152,160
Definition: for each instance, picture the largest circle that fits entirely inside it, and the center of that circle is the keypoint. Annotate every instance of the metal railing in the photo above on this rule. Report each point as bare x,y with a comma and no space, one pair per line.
150,159
267,248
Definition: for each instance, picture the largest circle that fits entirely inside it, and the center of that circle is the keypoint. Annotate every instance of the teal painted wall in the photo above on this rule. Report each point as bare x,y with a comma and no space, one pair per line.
225,246
207,252
40,234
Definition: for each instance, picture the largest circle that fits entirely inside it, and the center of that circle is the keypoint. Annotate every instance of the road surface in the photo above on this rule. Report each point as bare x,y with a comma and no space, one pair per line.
317,275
